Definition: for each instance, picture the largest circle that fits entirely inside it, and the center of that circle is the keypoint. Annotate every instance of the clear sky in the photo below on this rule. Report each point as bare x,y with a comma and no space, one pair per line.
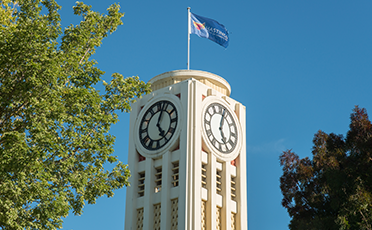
297,65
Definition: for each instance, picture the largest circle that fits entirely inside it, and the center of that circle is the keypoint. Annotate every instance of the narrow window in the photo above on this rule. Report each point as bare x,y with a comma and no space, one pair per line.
175,173
158,176
174,220
218,218
141,184
219,181
140,219
233,188
203,215
204,175
157,216
233,221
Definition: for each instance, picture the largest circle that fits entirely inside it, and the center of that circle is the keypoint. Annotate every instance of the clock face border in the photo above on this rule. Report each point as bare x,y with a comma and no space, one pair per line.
228,155
174,137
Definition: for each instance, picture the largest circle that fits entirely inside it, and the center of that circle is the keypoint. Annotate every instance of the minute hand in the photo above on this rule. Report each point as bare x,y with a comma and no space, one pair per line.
161,131
221,127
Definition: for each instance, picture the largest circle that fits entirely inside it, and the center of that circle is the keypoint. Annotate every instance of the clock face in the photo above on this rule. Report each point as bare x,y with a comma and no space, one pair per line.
158,125
220,128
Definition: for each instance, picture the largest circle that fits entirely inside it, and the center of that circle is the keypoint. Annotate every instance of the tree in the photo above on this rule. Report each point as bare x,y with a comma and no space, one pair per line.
334,189
54,123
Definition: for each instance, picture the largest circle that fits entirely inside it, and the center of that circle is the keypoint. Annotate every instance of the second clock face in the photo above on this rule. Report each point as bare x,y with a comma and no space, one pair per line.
220,128
158,125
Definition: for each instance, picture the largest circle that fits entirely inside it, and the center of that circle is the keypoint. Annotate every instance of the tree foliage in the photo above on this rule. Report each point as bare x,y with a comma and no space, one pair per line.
334,189
54,123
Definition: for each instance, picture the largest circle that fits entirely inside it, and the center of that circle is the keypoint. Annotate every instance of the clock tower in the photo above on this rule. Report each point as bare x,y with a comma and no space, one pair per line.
187,156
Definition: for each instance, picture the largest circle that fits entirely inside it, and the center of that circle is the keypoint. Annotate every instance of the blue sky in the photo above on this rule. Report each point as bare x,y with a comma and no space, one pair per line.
297,66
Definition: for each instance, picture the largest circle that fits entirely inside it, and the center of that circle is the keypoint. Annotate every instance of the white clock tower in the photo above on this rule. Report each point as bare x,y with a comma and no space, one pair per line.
187,156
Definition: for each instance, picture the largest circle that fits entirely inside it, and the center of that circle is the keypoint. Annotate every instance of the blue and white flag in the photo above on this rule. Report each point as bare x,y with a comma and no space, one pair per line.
209,28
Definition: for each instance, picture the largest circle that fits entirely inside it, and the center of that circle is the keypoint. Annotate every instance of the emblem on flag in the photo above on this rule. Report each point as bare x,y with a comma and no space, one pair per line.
199,26
209,28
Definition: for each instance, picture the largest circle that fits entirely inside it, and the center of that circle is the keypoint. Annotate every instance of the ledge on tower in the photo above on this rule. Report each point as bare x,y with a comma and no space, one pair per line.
172,77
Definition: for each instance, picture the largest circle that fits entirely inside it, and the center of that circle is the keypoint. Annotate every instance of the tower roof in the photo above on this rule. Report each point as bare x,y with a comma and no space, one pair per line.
172,77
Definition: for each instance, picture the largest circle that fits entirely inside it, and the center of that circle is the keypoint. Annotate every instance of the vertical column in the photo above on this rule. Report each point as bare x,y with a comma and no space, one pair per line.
226,209
165,191
184,199
212,199
192,168
197,99
131,197
148,215
197,189
241,188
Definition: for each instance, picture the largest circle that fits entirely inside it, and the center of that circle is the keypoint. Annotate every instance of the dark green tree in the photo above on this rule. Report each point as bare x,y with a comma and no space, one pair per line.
54,123
333,190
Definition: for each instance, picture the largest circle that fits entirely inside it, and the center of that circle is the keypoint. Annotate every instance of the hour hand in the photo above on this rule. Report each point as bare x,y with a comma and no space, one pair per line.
223,137
161,131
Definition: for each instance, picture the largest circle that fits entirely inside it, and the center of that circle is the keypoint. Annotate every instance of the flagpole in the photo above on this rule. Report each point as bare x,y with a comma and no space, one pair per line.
188,38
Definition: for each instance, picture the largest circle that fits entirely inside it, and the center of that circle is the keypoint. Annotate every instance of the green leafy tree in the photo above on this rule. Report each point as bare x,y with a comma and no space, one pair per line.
334,189
54,123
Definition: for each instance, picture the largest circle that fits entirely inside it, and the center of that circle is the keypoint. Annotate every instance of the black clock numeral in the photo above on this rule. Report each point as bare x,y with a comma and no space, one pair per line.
214,141
170,112
231,142
209,132
214,109
146,139
159,106
171,130
217,145
164,105
158,144
207,122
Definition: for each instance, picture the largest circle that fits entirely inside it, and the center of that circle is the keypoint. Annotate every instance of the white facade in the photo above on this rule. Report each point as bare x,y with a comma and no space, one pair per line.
181,178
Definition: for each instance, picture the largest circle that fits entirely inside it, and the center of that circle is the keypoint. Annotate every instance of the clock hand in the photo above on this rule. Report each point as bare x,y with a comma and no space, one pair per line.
161,131
223,137
221,125
222,119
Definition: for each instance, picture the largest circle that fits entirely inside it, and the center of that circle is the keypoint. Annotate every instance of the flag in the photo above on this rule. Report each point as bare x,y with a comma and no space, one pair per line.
209,28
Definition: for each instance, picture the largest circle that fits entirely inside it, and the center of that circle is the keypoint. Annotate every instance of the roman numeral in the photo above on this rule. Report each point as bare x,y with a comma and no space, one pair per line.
213,142
171,130
158,105
209,132
145,139
232,123
158,144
